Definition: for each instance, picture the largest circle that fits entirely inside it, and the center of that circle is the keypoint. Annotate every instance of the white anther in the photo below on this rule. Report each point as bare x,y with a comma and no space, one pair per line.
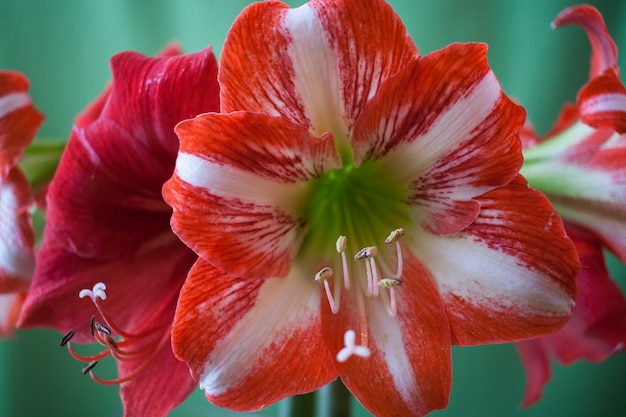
341,248
98,291
351,348
389,282
365,253
394,236
322,276
341,244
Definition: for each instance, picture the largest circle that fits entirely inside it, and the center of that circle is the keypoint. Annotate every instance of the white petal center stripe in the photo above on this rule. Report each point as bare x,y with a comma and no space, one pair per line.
453,125
15,259
231,183
284,307
507,282
387,335
13,101
604,103
316,77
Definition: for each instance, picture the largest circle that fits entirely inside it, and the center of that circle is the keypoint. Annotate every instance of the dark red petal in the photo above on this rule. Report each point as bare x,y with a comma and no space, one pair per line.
536,360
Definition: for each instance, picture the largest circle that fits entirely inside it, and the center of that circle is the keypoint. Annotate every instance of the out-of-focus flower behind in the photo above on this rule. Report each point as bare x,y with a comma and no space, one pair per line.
107,237
19,121
581,166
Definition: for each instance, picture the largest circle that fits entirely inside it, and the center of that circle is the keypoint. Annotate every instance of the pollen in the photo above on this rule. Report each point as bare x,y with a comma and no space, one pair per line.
389,282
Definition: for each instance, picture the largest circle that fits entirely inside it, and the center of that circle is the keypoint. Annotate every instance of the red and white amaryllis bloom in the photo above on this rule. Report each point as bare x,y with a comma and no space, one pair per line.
356,209
581,166
19,121
107,238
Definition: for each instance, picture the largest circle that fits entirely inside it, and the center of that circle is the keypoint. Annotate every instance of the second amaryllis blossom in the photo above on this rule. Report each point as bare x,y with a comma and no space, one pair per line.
356,209
581,166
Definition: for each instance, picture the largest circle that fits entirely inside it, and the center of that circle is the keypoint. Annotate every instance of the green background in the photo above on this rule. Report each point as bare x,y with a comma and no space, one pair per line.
64,48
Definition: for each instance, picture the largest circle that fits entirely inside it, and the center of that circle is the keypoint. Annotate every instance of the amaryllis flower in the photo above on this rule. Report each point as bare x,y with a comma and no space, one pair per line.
356,209
19,121
107,238
581,166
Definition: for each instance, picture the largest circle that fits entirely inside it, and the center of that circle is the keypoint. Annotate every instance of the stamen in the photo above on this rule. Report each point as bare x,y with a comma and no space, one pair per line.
89,367
142,347
68,336
365,253
394,237
351,348
368,254
322,276
390,283
341,248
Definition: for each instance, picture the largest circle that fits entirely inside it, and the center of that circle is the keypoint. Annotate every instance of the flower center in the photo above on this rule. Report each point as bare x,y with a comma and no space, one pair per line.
141,348
351,210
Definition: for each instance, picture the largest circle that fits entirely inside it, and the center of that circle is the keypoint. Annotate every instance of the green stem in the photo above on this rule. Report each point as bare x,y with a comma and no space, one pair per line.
334,400
298,406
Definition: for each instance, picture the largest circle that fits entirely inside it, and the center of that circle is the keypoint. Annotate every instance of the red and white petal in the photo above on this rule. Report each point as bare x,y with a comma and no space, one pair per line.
17,238
508,276
409,371
444,127
19,120
602,103
251,342
603,49
317,64
10,305
239,186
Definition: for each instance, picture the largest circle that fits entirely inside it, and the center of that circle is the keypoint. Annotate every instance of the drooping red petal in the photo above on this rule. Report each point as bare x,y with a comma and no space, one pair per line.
536,360
529,286
251,342
409,371
316,65
19,120
17,238
597,328
239,184
603,49
444,126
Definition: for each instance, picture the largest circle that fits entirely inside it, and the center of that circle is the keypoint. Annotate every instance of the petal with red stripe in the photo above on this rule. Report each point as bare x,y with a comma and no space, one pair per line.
508,276
317,64
409,371
443,126
251,342
239,186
